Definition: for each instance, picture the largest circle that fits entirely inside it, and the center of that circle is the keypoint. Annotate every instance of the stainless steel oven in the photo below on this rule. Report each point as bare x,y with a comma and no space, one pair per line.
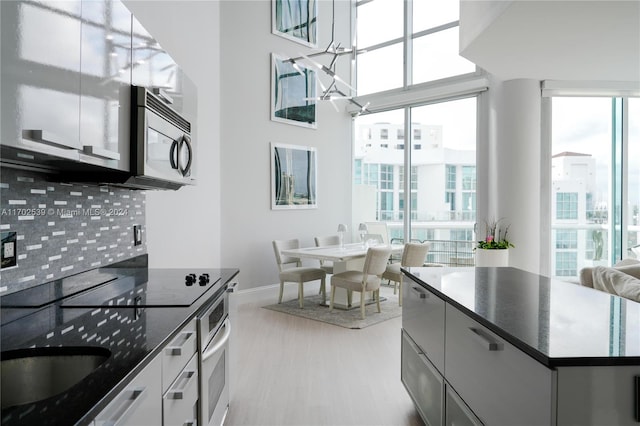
214,331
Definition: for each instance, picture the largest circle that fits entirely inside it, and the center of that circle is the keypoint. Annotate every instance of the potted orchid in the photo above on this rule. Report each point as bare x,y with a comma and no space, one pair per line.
494,249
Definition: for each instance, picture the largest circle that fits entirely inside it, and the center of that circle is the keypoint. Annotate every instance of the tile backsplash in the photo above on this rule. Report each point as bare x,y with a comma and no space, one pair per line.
64,229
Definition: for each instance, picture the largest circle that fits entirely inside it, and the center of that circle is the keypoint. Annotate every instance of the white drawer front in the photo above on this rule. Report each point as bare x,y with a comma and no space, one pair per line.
178,352
501,384
180,402
423,318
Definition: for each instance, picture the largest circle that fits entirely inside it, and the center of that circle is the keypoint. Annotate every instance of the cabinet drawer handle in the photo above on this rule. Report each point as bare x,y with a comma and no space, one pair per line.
131,402
96,151
187,377
637,398
423,294
485,341
191,422
48,138
176,350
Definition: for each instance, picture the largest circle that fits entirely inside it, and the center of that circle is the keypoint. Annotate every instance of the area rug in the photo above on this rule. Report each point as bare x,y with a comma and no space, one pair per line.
348,319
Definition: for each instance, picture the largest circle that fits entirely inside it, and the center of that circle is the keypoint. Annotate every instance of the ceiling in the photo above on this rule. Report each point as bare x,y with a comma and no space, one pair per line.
553,40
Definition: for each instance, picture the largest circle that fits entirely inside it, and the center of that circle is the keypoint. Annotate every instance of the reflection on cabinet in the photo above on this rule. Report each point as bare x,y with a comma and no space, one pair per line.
422,381
66,68
155,69
41,77
105,84
140,403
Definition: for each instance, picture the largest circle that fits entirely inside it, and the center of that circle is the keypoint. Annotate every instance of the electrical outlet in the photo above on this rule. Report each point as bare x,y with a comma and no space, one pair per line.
9,249
137,235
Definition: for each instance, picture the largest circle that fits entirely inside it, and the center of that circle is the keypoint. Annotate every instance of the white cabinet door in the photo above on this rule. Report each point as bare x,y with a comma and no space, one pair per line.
178,352
599,395
423,382
140,403
501,384
423,318
41,76
105,84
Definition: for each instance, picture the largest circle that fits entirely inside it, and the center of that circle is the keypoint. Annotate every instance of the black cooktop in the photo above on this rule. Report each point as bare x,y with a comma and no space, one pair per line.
159,288
120,285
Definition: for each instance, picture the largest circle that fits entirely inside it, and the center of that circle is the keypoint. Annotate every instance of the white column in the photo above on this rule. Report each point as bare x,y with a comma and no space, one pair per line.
514,168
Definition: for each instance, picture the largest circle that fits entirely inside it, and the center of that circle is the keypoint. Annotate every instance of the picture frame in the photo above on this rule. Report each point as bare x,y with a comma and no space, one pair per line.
295,20
293,92
294,177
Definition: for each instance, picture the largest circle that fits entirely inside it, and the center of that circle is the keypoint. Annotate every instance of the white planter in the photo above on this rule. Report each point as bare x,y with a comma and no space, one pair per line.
493,257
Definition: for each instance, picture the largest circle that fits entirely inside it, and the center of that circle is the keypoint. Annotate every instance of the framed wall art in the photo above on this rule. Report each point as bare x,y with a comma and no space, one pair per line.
293,93
293,177
295,20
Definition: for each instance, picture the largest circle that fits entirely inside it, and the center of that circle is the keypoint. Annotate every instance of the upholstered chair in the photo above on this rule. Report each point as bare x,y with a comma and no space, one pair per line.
413,254
331,240
362,281
296,273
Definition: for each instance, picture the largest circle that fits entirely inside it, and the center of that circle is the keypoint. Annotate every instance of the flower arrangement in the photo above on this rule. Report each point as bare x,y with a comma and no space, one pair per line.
495,239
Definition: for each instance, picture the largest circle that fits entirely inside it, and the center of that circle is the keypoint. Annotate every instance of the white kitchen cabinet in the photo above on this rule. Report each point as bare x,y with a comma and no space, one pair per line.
423,316
178,352
180,377
105,84
140,403
180,401
423,382
41,78
66,71
502,384
155,69
599,395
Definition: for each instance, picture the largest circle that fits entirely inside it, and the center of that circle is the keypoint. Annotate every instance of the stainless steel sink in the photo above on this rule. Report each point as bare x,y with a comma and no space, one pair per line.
34,374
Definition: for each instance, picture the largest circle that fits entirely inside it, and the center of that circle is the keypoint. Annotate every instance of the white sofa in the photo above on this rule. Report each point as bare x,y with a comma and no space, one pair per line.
623,279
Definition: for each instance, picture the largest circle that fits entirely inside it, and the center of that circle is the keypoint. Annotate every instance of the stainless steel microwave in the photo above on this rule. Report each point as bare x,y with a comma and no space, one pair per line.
162,146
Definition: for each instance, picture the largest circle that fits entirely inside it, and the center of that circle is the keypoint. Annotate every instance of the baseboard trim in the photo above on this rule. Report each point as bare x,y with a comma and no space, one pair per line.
269,293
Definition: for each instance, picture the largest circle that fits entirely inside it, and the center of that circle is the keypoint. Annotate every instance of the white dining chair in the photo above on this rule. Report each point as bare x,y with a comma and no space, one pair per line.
331,240
298,273
413,254
362,281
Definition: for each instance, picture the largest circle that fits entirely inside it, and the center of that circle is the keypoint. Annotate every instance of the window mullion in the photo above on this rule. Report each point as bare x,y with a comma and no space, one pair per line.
408,44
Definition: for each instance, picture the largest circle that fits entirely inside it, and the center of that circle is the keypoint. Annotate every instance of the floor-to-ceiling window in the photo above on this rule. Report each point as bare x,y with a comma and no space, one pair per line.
595,182
405,46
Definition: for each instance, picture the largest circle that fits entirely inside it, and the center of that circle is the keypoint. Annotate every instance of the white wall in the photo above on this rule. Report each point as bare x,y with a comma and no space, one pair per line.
183,227
248,223
226,220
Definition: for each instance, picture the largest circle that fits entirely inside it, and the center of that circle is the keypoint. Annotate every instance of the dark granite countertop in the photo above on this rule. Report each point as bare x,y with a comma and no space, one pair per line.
557,323
133,342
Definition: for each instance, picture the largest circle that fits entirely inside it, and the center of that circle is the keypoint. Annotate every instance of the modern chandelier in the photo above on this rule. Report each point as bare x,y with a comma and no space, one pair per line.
333,51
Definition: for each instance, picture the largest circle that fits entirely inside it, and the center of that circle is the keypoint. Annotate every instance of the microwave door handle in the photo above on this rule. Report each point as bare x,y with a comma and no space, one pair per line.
186,141
174,155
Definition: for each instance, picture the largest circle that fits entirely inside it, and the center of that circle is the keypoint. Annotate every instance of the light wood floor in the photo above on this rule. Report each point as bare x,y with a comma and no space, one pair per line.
287,370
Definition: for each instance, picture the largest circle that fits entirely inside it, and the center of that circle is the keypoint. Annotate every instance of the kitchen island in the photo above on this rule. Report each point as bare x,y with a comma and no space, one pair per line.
138,317
501,346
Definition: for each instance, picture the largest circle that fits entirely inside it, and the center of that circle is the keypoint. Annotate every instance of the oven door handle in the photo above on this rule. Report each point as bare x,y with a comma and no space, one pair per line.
209,352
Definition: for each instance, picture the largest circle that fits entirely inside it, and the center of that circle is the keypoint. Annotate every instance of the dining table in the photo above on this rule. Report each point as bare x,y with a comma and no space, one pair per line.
347,257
